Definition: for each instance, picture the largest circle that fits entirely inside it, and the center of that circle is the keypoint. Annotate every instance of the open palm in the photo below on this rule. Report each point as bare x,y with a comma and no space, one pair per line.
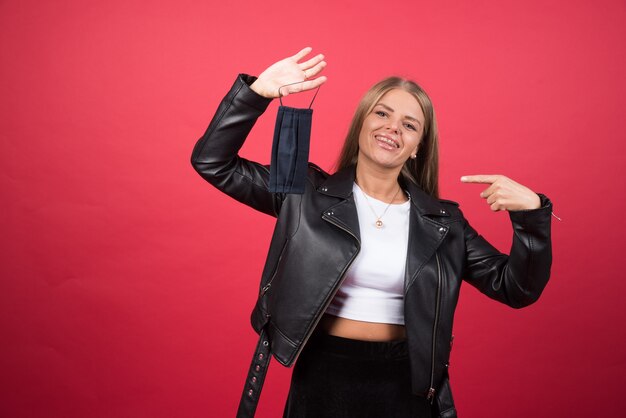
288,71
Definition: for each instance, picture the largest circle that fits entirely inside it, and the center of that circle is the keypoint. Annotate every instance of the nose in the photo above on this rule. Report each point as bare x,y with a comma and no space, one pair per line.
393,125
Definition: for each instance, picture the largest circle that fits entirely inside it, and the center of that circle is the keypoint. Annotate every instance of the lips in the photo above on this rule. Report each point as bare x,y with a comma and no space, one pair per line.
388,141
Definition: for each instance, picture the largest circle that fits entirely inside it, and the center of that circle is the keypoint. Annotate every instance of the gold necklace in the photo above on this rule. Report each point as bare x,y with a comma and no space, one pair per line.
379,219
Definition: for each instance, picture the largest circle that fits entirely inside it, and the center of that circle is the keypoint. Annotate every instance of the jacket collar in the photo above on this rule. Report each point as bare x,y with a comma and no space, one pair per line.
340,185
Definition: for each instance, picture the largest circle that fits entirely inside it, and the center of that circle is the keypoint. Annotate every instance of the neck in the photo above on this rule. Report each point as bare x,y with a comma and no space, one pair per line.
380,184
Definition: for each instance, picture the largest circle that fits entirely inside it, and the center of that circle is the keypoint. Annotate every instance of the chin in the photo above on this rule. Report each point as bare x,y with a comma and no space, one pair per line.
390,165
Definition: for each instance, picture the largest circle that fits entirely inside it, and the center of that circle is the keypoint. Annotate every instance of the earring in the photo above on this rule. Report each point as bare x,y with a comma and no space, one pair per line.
413,156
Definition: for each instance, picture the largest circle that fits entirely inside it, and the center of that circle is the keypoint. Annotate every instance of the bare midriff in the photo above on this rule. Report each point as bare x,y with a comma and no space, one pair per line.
361,330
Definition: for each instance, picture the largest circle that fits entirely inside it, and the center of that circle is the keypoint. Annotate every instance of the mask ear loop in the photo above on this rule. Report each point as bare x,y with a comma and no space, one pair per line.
280,95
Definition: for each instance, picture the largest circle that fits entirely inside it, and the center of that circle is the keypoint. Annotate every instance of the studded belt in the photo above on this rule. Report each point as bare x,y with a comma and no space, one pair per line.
256,377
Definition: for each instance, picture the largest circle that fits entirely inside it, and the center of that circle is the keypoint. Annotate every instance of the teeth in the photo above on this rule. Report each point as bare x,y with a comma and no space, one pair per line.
388,141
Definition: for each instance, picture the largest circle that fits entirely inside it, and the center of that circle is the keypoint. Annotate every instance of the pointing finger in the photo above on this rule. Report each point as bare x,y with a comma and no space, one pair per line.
480,178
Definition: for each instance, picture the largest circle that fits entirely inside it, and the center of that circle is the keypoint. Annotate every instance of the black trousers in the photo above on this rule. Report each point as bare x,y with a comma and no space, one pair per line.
337,377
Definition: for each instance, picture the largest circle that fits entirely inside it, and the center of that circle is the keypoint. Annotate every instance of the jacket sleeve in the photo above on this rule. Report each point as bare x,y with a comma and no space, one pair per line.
215,155
519,278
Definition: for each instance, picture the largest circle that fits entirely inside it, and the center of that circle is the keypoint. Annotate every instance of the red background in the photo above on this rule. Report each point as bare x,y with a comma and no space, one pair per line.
127,281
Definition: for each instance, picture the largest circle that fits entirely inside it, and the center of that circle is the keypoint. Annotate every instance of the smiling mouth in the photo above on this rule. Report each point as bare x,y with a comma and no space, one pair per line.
388,141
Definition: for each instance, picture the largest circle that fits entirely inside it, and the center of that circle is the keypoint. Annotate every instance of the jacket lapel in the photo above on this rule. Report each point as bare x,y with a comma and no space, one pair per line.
343,213
425,233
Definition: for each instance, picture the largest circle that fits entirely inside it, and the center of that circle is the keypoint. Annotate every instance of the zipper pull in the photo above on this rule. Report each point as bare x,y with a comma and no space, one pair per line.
266,288
431,395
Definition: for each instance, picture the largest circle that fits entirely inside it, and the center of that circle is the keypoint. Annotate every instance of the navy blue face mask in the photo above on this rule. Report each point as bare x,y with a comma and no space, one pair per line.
290,148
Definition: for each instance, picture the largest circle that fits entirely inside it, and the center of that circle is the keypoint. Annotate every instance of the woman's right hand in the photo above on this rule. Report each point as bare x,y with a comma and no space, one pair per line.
289,71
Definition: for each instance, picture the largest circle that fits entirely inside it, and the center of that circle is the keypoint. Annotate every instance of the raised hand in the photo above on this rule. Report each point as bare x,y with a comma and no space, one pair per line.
288,71
504,193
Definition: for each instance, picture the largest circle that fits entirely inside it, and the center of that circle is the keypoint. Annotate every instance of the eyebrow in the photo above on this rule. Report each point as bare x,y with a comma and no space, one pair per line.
406,116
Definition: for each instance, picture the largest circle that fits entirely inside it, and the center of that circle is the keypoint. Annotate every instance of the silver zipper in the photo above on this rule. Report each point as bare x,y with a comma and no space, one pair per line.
431,390
266,287
269,283
332,293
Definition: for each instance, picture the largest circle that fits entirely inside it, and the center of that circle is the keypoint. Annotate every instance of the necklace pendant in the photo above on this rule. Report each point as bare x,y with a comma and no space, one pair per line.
379,223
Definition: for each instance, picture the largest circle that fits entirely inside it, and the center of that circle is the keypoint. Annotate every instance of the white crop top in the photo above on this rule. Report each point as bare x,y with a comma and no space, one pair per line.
373,290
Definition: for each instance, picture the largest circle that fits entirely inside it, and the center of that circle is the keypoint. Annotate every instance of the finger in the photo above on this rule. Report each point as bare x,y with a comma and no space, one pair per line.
480,178
303,53
312,72
307,85
495,207
315,83
489,191
312,62
492,198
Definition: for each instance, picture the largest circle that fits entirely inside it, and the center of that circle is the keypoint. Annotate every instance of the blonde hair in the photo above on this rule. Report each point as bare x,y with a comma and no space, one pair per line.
423,170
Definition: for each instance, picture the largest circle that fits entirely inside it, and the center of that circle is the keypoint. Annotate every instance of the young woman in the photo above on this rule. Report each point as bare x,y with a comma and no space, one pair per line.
364,268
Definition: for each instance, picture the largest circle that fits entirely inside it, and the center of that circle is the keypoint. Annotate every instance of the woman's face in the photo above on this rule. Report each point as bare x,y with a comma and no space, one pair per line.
392,131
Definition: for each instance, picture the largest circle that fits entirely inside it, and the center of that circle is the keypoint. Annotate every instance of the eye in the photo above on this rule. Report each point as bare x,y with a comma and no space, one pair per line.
410,127
381,113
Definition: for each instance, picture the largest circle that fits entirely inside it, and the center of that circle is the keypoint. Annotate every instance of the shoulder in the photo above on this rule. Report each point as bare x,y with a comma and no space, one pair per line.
451,209
448,203
316,175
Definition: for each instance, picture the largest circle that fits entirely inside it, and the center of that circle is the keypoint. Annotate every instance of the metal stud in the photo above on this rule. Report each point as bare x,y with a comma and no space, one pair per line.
442,229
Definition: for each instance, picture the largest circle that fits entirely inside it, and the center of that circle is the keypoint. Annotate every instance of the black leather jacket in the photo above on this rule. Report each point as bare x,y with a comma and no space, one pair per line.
316,238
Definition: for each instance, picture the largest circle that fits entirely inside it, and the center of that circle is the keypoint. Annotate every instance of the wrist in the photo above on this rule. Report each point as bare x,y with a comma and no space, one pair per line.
258,89
250,96
535,202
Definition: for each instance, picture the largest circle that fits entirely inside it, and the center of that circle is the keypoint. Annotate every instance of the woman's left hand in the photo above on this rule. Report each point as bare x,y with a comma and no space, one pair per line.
504,193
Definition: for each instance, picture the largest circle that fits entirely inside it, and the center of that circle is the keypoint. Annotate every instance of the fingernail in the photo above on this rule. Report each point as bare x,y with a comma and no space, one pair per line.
463,178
